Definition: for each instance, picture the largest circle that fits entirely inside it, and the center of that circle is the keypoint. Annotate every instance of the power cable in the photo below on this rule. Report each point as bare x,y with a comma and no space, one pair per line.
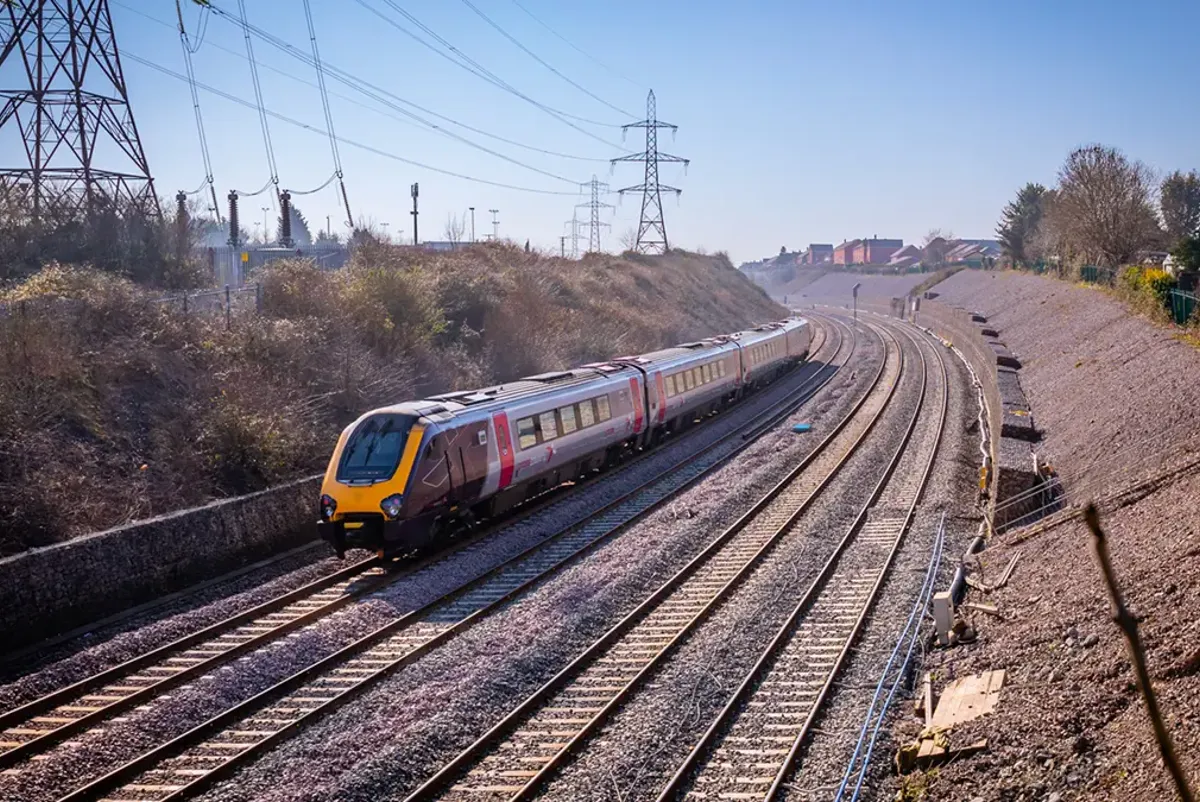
258,98
540,60
188,50
474,67
574,46
352,143
356,83
360,85
337,159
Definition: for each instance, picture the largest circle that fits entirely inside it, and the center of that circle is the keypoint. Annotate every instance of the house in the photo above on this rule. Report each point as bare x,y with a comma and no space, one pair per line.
844,254
818,254
906,257
875,251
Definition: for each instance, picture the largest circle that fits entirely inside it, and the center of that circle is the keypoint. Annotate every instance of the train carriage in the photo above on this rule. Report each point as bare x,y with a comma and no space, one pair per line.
687,382
400,474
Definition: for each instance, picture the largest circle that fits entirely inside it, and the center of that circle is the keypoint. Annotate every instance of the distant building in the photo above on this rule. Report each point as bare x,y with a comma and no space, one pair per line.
818,254
844,254
875,251
906,257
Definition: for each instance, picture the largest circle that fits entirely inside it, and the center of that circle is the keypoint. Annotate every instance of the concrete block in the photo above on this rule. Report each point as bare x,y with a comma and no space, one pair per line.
943,616
1005,357
1017,422
977,317
989,332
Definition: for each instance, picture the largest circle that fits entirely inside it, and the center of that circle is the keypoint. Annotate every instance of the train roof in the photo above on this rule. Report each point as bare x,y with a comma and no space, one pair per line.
675,352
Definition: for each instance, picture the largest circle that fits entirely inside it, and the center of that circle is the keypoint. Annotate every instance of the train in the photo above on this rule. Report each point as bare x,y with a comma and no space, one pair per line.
405,475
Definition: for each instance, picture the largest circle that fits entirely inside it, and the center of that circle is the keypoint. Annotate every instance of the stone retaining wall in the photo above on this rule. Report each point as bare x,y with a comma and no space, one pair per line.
56,588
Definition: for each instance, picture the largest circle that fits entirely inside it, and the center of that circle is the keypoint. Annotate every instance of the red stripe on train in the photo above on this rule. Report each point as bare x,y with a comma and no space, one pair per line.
504,448
638,399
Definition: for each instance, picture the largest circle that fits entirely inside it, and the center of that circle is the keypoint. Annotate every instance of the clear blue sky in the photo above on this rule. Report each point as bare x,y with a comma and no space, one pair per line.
805,121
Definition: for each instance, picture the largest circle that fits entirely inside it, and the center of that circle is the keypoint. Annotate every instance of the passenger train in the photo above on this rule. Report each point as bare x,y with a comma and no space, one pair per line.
401,476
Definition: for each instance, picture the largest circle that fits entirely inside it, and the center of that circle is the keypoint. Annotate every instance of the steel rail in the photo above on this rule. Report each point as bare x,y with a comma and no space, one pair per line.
142,763
203,651
734,707
541,770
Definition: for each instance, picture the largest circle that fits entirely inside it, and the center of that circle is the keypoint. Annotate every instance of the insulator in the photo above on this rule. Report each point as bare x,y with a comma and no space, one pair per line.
285,219
233,219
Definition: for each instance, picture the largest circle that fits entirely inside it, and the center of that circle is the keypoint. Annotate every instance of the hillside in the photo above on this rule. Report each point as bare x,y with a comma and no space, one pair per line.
114,407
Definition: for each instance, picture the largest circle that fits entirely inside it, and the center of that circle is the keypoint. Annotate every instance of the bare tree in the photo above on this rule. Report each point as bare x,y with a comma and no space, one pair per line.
1102,211
455,227
936,246
936,233
628,239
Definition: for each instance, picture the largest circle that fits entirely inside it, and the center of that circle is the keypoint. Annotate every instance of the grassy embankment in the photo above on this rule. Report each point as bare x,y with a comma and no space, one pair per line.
116,408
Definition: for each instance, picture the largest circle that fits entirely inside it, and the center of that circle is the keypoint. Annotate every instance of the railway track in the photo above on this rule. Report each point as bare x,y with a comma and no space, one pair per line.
751,749
32,728
211,750
514,758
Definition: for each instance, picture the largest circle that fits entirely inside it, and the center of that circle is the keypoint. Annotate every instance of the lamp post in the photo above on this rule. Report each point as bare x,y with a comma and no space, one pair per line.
266,226
854,290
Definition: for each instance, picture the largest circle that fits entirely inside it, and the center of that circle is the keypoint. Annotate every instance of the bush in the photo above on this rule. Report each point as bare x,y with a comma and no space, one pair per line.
1147,289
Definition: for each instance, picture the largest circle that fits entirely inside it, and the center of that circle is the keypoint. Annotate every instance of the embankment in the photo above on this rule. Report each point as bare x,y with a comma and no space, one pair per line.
1115,398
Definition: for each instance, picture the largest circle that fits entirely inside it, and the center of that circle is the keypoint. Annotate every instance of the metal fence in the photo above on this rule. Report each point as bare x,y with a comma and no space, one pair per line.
224,302
1094,274
1183,307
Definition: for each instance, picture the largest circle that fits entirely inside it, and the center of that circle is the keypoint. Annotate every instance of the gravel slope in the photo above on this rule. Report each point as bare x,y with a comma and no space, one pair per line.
1105,385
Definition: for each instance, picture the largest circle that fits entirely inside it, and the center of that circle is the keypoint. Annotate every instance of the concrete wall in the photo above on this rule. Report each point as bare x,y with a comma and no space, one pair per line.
1010,422
56,588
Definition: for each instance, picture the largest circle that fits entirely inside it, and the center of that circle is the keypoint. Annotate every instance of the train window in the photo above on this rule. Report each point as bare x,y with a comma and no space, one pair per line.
721,368
373,451
688,379
567,416
603,413
669,383
526,433
548,426
587,413
697,377
707,373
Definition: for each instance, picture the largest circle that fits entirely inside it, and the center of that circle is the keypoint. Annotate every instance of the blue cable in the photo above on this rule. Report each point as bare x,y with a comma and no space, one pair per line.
914,618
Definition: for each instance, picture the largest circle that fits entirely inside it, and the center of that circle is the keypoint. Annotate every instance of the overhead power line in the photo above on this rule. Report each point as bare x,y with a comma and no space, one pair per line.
337,159
574,46
258,97
188,50
343,140
357,83
474,67
542,61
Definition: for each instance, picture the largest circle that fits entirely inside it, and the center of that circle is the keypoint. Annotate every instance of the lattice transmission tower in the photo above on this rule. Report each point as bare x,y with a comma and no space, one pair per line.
63,91
594,206
652,229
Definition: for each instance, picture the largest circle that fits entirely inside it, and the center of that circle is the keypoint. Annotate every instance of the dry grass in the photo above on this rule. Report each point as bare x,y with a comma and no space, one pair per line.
115,408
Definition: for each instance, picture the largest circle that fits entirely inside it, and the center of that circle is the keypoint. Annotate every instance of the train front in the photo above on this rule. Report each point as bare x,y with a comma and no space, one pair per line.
363,496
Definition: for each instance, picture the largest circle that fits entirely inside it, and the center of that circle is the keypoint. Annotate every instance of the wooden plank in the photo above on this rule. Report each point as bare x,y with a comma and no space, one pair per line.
927,696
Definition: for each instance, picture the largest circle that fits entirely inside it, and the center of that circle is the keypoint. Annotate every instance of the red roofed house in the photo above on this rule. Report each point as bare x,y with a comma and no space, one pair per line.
844,254
875,251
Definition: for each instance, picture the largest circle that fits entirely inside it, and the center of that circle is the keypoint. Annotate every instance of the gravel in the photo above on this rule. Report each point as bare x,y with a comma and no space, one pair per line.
643,744
1105,386
189,705
399,732
127,639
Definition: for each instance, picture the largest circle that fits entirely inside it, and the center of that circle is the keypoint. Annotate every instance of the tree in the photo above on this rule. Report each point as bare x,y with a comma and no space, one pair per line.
935,247
1103,208
1020,222
1186,253
328,238
628,239
1180,203
455,227
301,236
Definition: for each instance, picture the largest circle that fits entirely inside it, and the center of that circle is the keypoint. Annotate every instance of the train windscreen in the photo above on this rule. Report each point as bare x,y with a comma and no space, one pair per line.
373,452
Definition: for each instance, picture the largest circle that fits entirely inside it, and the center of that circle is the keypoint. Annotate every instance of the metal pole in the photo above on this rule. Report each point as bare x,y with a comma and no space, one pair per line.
472,208
266,224
227,301
415,190
562,247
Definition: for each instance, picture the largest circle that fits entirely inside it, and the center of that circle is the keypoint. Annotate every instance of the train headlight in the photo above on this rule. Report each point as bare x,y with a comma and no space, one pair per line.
391,505
328,507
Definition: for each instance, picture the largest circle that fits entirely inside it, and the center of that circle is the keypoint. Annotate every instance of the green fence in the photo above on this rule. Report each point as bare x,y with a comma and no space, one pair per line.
1183,306
1097,275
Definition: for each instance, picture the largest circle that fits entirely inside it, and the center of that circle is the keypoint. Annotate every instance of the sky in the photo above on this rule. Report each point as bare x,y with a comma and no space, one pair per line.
804,121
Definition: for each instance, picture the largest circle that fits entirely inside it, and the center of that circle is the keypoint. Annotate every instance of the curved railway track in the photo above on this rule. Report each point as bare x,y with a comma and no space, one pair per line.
514,758
752,747
32,728
190,762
